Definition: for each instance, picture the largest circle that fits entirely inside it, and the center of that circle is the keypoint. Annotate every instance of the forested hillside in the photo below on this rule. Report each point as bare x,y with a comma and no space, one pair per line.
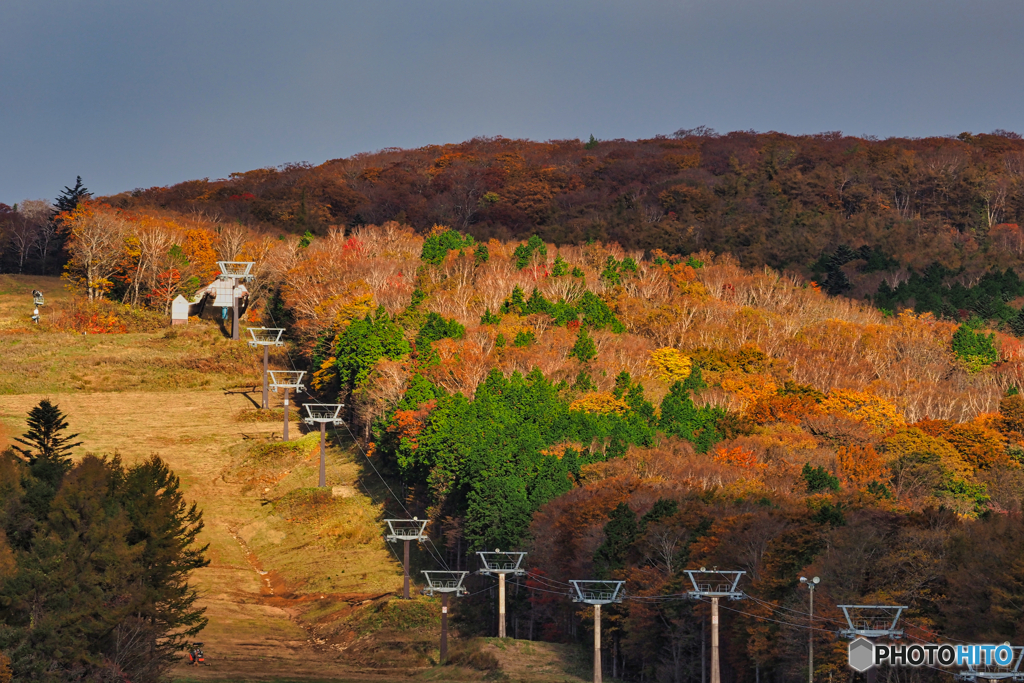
854,212
630,358
625,413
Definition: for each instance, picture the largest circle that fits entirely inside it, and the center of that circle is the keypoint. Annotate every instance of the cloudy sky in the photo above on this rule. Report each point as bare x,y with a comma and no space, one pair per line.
134,94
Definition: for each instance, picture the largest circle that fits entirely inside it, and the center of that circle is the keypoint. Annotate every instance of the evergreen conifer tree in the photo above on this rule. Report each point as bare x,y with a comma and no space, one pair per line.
71,196
47,445
584,349
1017,323
620,532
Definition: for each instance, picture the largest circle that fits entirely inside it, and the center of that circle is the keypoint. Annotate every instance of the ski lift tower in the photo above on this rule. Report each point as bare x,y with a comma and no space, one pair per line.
406,530
715,584
232,271
289,380
501,563
266,337
322,414
993,672
871,622
597,593
446,583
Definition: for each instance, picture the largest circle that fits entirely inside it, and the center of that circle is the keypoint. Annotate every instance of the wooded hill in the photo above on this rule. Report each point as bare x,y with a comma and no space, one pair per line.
852,212
628,414
632,390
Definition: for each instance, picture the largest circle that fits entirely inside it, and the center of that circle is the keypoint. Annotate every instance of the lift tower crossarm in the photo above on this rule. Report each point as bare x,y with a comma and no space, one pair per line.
499,563
597,593
446,583
868,628
407,531
716,584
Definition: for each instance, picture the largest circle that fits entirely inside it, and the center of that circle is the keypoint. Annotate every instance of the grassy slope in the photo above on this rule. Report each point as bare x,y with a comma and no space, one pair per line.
299,584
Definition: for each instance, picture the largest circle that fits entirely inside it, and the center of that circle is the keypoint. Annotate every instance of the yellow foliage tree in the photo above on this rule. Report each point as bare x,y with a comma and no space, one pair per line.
879,414
981,447
599,402
670,365
202,258
912,442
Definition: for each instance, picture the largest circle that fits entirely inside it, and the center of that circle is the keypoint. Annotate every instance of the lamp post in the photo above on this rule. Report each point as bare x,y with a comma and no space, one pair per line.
811,583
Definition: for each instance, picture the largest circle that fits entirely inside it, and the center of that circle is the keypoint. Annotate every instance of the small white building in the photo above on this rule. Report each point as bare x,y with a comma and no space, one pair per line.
179,311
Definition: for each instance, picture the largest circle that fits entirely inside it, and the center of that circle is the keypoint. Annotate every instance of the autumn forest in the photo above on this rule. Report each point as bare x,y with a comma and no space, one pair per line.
781,355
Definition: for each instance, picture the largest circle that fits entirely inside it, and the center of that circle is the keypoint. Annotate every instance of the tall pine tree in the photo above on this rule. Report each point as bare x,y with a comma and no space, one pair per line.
47,445
71,196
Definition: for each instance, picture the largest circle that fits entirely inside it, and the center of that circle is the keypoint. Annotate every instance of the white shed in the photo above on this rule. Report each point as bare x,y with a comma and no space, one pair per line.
179,311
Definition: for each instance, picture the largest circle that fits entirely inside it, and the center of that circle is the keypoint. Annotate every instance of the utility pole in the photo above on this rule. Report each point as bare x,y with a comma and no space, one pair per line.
872,622
322,414
266,337
445,583
501,563
714,583
597,593
407,531
811,583
287,380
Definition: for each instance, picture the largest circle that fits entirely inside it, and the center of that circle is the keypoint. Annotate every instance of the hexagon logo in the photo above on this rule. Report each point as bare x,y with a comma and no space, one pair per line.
862,654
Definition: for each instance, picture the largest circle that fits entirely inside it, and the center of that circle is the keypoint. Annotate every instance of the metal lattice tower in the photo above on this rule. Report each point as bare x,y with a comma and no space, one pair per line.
994,672
597,593
407,531
235,271
323,414
266,337
715,584
446,583
288,380
501,563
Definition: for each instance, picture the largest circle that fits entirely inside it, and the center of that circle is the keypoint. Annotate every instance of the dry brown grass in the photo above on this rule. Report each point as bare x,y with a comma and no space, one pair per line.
288,563
195,358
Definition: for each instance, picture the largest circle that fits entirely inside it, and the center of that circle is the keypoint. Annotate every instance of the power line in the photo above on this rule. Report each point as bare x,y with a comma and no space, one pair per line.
434,552
795,611
785,623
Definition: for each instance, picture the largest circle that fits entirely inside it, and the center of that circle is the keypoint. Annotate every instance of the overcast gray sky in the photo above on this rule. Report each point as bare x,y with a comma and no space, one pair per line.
136,93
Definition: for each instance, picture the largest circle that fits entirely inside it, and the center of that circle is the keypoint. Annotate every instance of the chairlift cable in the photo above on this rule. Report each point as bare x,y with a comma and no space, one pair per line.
394,552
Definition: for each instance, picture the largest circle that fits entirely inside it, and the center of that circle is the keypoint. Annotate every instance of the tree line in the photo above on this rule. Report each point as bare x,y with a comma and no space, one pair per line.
767,198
